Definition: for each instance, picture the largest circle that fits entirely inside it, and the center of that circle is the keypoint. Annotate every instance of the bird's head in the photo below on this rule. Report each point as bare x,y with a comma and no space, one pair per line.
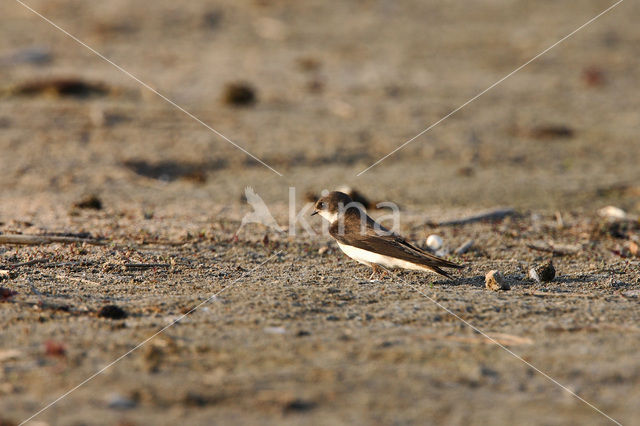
331,205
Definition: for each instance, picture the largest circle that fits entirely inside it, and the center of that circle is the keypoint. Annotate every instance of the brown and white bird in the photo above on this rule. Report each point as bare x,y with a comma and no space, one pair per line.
366,241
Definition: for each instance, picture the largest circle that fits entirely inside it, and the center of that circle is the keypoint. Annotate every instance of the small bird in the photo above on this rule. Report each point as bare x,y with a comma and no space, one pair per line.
366,241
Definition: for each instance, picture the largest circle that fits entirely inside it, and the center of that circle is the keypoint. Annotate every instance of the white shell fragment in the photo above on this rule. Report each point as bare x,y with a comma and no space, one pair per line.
434,242
612,212
533,274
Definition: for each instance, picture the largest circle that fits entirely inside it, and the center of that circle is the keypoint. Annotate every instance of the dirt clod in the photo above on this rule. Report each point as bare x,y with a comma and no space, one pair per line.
239,94
54,348
60,87
112,312
559,131
91,202
543,273
6,293
495,281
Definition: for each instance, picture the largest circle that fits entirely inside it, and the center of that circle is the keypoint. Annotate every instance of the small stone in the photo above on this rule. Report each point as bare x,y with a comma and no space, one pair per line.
434,242
298,405
551,131
612,212
239,94
6,293
53,348
634,249
120,402
495,281
34,55
543,273
91,202
112,312
4,274
322,250
533,274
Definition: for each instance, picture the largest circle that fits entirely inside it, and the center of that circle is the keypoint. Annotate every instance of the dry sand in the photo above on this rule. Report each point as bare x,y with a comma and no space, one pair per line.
305,338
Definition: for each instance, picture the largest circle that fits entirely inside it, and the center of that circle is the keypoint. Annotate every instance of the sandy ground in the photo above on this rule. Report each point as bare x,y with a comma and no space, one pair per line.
298,334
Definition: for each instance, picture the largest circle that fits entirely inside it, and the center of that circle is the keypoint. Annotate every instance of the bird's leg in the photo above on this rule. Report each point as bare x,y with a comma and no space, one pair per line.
384,273
375,271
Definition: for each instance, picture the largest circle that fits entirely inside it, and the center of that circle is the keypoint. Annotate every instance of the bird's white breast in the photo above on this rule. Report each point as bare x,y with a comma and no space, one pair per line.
370,257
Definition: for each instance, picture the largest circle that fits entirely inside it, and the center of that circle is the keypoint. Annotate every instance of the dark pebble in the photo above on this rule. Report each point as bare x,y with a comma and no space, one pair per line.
239,94
91,202
112,312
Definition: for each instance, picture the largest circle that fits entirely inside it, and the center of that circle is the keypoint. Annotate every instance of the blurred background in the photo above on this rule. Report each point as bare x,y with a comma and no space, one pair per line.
319,91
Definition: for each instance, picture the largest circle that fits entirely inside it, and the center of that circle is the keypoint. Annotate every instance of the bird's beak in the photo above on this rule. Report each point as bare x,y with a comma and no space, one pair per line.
315,212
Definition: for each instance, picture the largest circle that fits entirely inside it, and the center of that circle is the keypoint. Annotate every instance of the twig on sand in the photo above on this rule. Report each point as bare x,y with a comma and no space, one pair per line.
29,263
464,247
76,279
495,214
146,265
560,250
45,239
502,338
164,243
562,294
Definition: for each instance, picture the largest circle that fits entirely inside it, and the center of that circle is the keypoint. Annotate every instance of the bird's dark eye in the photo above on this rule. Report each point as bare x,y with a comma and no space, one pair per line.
323,205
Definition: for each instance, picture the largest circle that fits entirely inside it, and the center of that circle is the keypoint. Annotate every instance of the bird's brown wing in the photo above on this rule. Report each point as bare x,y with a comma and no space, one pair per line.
393,245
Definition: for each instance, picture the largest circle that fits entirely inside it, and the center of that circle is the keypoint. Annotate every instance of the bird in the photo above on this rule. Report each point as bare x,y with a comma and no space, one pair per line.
366,241
260,213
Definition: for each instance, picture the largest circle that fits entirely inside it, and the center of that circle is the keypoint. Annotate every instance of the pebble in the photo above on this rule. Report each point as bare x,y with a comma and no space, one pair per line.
551,131
91,202
61,87
612,212
34,55
119,402
239,94
322,250
6,293
543,273
54,348
112,312
495,281
434,242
